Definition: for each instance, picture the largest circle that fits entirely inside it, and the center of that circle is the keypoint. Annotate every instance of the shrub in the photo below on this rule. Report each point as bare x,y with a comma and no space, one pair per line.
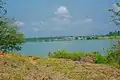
117,51
59,54
76,56
11,38
113,55
100,59
66,55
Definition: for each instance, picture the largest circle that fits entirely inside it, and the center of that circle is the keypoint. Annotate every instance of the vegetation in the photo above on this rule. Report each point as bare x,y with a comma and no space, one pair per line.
66,55
115,33
110,35
116,14
10,37
112,57
99,59
18,67
115,55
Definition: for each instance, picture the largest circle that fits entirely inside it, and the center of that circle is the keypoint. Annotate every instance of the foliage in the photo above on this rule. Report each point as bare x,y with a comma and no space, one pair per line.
10,38
117,51
114,54
66,55
115,33
116,14
100,59
111,58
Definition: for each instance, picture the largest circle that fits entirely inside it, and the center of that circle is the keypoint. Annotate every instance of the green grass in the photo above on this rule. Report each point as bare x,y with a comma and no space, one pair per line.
99,59
92,57
66,55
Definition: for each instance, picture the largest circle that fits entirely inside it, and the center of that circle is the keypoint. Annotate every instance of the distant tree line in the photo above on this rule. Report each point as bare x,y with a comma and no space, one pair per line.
115,33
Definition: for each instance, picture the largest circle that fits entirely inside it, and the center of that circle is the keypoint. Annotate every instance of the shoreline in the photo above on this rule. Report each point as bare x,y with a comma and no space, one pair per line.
76,40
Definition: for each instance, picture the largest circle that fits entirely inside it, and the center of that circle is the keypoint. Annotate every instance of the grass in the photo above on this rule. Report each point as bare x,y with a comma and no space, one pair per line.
18,67
61,65
110,59
66,55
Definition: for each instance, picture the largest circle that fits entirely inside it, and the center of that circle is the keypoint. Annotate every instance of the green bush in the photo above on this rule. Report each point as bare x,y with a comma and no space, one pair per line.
59,54
76,56
66,55
100,59
113,55
117,52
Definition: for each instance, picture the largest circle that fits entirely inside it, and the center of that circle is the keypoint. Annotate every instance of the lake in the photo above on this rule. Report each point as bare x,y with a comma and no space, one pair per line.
43,48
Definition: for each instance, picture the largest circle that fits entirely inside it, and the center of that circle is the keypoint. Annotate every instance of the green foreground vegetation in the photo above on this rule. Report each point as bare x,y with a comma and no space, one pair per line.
111,58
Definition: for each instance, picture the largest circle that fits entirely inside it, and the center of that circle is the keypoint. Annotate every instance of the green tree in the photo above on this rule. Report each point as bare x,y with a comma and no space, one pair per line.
10,36
116,14
116,20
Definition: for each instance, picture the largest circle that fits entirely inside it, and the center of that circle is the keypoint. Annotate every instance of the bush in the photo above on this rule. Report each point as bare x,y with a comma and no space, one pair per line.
11,38
100,59
59,54
117,51
76,56
66,55
113,55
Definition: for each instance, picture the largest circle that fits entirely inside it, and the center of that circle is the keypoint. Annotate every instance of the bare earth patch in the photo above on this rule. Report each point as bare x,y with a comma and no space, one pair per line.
17,67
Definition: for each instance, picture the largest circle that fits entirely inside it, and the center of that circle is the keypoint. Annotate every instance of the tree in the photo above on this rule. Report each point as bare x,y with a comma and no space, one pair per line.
116,20
116,13
10,36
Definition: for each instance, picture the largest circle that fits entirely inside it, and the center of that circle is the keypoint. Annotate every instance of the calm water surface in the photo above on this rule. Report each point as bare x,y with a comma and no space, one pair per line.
43,48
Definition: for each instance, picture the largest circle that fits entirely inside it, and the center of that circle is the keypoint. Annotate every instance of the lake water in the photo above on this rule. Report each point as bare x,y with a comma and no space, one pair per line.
43,48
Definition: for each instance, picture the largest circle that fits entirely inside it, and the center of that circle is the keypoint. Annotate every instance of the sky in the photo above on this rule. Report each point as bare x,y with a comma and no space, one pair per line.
43,18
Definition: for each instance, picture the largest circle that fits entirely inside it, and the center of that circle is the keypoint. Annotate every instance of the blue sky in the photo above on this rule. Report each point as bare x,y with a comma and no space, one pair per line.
62,17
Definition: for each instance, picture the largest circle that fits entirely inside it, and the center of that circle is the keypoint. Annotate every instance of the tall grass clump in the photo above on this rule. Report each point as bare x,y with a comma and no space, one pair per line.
100,59
117,52
66,55
113,55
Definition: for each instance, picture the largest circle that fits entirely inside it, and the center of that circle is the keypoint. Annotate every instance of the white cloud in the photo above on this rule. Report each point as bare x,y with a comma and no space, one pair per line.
19,23
62,11
61,20
115,7
62,16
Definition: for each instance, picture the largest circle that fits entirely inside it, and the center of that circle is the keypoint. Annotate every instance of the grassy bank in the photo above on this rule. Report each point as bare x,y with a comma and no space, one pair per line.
18,67
94,57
